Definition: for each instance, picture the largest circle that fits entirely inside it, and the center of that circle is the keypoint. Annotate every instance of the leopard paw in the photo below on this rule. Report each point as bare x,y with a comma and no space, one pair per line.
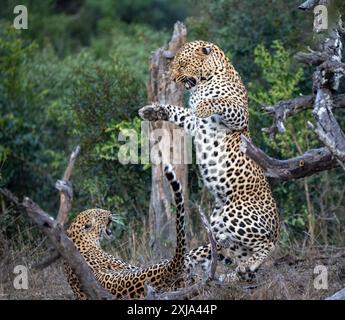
153,113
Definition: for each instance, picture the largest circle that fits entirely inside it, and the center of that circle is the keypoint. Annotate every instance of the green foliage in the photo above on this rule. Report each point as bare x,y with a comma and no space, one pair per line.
280,80
239,26
110,149
104,100
278,73
78,76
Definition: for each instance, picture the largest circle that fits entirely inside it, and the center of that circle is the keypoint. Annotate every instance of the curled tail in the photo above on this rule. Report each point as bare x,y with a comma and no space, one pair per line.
179,258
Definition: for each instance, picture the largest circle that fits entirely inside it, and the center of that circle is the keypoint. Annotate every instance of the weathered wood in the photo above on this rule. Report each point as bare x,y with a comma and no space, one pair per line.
326,81
162,90
329,70
309,4
313,58
311,162
66,189
66,197
287,108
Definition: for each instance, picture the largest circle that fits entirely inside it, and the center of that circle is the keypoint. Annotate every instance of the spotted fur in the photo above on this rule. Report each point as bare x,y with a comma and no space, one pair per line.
123,279
244,220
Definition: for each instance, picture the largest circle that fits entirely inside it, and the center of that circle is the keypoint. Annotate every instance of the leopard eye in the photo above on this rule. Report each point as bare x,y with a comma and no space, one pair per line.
206,50
88,226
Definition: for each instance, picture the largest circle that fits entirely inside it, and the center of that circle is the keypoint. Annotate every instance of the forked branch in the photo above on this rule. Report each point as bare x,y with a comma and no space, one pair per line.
310,162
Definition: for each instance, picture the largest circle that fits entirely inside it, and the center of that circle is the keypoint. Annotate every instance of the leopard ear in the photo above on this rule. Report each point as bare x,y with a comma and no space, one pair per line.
206,50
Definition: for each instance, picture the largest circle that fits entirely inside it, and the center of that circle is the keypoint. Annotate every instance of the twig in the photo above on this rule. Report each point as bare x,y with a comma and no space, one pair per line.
65,188
181,294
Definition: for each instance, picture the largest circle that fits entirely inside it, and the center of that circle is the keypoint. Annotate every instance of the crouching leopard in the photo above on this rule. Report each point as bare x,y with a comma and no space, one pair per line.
122,279
245,219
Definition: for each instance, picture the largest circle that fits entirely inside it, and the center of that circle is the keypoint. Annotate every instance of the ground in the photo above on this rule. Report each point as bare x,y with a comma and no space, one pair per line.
289,274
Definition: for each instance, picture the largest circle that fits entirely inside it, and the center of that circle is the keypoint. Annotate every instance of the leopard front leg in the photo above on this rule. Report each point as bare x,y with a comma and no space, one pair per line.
182,117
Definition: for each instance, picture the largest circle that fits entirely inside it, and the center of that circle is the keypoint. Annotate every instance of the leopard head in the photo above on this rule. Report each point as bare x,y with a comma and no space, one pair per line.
90,226
198,61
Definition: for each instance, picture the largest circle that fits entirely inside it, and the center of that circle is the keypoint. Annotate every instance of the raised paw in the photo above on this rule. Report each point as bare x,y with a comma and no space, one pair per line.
153,113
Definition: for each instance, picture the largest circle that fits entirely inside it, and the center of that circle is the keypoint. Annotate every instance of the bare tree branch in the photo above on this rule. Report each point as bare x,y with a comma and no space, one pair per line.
326,80
327,127
284,109
66,190
55,233
287,108
313,161
313,58
66,196
309,4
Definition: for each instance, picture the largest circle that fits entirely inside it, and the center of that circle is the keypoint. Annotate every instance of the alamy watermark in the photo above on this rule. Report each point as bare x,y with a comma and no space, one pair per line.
20,280
321,277
162,145
21,20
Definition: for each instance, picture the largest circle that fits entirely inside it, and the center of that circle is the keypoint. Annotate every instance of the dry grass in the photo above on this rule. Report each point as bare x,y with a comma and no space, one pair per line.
286,275
289,277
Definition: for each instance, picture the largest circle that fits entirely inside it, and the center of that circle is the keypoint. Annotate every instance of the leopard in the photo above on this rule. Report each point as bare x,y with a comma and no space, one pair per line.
125,280
244,219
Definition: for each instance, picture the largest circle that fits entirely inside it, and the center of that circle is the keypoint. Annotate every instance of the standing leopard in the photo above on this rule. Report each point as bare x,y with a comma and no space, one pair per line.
245,219
123,279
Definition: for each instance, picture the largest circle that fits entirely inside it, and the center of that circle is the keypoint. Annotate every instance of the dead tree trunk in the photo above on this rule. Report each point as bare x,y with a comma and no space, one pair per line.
162,90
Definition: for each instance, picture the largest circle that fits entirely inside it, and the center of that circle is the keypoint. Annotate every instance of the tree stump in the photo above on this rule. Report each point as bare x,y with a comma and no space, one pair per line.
161,89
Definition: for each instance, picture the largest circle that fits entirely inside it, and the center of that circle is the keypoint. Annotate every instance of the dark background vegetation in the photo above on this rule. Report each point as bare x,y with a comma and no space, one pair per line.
78,75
